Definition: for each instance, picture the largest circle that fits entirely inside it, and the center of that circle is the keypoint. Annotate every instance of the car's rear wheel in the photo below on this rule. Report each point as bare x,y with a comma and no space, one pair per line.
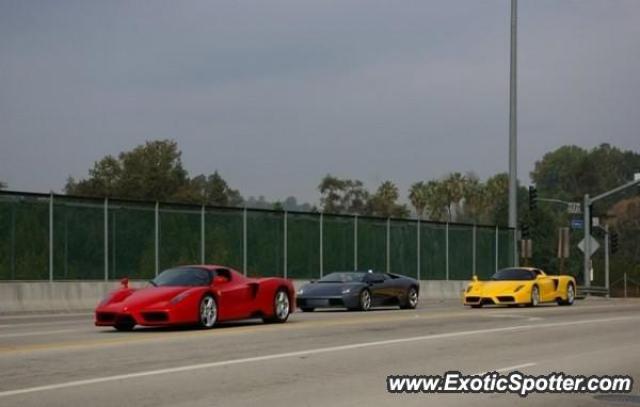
365,300
570,295
208,311
535,296
411,301
281,307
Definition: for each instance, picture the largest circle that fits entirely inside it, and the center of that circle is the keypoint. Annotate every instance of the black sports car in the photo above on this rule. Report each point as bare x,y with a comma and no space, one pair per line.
359,290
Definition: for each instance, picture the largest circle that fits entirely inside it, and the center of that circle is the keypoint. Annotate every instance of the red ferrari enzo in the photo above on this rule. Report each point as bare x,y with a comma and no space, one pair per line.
201,295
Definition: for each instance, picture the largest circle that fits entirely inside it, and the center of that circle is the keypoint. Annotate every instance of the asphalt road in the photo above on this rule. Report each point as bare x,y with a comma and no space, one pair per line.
334,358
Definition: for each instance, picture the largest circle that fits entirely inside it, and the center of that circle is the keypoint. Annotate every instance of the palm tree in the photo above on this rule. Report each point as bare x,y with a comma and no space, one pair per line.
418,195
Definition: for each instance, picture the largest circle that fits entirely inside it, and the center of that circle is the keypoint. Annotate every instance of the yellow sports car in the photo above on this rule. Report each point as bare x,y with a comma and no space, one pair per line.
520,285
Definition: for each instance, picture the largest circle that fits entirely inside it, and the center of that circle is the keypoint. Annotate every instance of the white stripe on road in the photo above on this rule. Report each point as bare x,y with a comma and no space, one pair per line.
56,315
506,369
302,353
82,321
38,333
510,368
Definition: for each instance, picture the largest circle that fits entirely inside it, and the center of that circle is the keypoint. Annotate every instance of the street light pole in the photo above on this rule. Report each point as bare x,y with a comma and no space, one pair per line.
513,151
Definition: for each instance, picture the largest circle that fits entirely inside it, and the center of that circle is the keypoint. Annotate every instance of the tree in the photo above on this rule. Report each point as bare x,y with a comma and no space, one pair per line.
474,202
3,185
153,171
331,189
211,190
436,201
384,202
569,172
497,198
343,196
418,195
454,186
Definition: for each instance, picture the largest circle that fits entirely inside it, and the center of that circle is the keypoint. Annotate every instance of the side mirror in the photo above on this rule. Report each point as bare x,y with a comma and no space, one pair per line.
125,283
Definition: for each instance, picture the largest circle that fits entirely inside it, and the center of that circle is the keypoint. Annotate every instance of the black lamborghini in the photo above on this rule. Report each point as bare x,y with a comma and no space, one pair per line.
359,290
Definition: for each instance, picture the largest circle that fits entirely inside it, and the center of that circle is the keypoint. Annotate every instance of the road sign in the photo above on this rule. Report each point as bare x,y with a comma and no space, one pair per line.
574,208
577,224
594,245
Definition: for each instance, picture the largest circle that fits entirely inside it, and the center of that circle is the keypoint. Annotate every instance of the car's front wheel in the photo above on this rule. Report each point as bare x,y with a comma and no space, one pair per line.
365,300
208,311
535,296
124,326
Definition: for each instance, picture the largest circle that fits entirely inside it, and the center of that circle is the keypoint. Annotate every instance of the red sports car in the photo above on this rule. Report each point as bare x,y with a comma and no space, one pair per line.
202,295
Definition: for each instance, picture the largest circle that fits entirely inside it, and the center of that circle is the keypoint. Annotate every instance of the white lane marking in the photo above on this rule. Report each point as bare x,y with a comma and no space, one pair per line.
82,321
57,315
39,333
506,369
510,368
307,352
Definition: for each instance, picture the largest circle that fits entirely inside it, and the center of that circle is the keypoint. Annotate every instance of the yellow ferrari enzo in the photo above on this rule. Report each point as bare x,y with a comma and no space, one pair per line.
520,286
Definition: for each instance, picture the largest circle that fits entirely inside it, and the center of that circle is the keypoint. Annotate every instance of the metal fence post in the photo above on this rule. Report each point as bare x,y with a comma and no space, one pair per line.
244,241
473,250
625,284
321,243
157,236
516,259
388,245
355,242
497,251
202,236
285,244
13,241
51,237
106,239
446,249
418,250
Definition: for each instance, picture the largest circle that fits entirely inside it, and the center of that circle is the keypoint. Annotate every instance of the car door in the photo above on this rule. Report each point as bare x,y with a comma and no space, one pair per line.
379,288
397,287
235,296
547,287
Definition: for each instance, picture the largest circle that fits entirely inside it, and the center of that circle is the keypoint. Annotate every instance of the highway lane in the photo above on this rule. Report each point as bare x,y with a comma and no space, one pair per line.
339,358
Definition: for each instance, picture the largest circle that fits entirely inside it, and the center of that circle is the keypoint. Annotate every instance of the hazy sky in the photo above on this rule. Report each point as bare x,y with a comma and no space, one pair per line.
275,94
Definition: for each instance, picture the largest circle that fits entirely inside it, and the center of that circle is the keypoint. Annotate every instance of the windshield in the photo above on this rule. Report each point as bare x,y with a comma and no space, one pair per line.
343,277
513,274
183,276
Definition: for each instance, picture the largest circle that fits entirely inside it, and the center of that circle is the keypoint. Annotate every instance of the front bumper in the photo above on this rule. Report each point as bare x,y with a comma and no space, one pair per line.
509,298
148,317
337,301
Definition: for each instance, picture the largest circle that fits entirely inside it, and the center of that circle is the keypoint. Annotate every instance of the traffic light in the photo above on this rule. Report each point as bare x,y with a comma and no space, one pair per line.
614,242
524,228
533,198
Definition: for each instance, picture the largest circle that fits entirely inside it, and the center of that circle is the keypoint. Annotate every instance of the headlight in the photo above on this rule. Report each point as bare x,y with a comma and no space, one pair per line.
301,291
179,297
520,287
346,290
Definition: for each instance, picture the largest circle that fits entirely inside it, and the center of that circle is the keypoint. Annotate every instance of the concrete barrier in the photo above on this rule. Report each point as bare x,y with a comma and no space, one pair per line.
61,296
